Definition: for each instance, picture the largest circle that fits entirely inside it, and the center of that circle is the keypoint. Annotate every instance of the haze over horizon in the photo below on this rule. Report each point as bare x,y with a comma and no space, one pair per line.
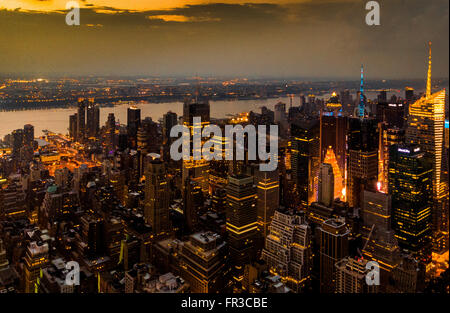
264,38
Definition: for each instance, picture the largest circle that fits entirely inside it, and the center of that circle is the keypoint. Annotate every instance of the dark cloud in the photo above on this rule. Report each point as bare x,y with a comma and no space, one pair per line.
307,39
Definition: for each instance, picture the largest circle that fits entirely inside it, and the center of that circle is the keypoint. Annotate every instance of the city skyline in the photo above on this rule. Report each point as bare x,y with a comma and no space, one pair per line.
177,147
113,200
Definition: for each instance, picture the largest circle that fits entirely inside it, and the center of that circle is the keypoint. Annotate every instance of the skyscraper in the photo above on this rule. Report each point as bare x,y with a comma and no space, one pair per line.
362,158
170,119
305,158
17,142
73,120
13,201
192,202
148,137
197,170
426,129
351,276
287,249
333,135
361,107
57,205
28,132
133,124
92,240
333,236
268,192
36,258
326,184
111,133
339,176
391,113
280,117
410,176
93,119
156,211
81,119
387,137
147,141
242,225
409,94
378,238
203,262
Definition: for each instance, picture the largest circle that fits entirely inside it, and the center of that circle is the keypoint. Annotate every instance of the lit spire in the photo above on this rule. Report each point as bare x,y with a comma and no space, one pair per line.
428,94
361,94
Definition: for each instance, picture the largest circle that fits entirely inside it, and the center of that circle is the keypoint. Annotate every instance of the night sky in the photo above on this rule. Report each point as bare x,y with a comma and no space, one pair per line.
305,39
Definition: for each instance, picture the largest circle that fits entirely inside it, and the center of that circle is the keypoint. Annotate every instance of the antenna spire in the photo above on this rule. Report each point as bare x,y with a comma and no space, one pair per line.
428,94
361,94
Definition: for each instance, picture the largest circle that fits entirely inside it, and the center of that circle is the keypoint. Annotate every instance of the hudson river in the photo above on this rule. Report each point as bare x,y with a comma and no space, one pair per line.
57,120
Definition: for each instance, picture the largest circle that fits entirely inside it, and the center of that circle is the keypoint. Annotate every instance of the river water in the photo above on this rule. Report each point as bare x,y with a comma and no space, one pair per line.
57,120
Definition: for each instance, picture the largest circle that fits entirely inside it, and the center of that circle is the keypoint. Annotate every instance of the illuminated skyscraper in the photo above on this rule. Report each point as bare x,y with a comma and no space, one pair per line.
426,129
156,211
362,144
36,258
333,104
287,249
333,136
378,237
387,137
410,176
148,141
196,170
203,262
268,191
13,201
242,225
362,158
351,276
326,184
339,181
305,158
219,169
361,95
447,134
